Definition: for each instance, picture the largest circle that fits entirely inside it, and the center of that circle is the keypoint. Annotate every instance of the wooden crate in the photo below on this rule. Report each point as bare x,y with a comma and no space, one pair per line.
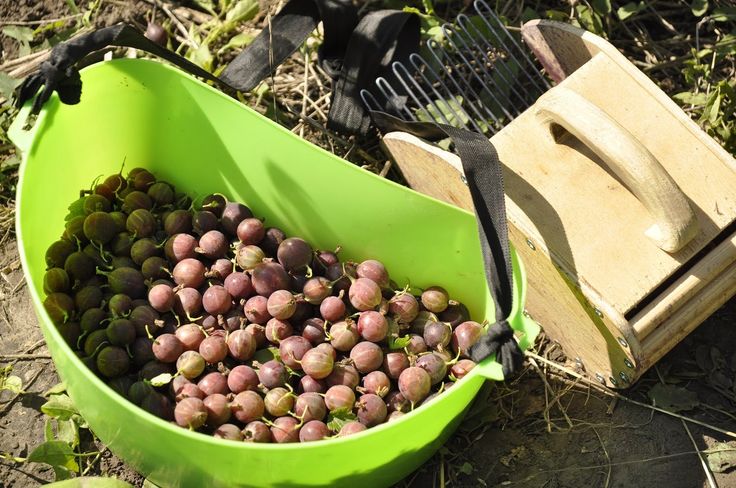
620,206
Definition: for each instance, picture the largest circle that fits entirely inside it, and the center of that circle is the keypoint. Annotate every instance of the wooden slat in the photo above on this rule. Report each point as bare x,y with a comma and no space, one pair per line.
688,316
688,286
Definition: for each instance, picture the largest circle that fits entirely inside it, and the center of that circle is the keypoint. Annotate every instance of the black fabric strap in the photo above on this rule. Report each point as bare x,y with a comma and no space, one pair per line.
354,56
288,30
59,72
380,38
485,181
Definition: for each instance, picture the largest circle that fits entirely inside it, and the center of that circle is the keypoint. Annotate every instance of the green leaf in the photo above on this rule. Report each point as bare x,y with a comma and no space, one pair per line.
715,109
427,21
61,473
68,431
59,407
673,398
724,14
201,57
11,383
445,111
602,7
630,9
57,389
444,143
689,98
81,423
162,379
589,19
435,33
237,42
149,484
466,468
8,84
91,482
19,33
267,354
699,7
55,453
12,162
428,6
48,430
76,209
339,417
399,342
721,457
557,15
529,14
242,11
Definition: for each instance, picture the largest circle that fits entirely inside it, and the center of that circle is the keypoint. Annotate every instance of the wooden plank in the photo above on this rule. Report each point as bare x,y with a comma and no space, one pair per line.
589,219
677,295
432,171
674,224
688,317
565,48
560,48
589,337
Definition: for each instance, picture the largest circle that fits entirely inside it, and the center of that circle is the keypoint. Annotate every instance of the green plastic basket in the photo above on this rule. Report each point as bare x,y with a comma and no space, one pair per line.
150,115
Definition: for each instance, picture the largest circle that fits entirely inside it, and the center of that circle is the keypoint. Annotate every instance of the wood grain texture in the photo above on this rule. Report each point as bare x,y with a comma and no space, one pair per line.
701,275
587,215
577,224
674,222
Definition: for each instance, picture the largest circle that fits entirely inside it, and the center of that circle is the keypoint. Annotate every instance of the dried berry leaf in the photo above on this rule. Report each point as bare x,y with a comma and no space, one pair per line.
721,457
673,398
162,379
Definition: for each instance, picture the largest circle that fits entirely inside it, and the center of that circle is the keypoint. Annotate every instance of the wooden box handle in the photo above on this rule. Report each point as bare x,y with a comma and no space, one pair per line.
674,221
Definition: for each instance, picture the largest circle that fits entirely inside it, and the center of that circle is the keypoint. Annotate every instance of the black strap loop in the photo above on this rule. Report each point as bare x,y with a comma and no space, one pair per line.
59,72
287,31
484,177
380,38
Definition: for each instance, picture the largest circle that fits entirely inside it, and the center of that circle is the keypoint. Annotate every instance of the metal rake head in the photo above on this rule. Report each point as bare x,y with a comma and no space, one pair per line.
477,76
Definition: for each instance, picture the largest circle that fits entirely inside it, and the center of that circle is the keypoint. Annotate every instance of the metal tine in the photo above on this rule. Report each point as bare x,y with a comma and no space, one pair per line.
472,62
420,71
481,59
480,4
501,68
398,67
370,101
446,31
434,49
385,87
416,60
421,67
476,103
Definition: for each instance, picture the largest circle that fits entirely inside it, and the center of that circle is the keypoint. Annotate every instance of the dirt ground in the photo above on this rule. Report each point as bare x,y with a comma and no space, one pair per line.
610,444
